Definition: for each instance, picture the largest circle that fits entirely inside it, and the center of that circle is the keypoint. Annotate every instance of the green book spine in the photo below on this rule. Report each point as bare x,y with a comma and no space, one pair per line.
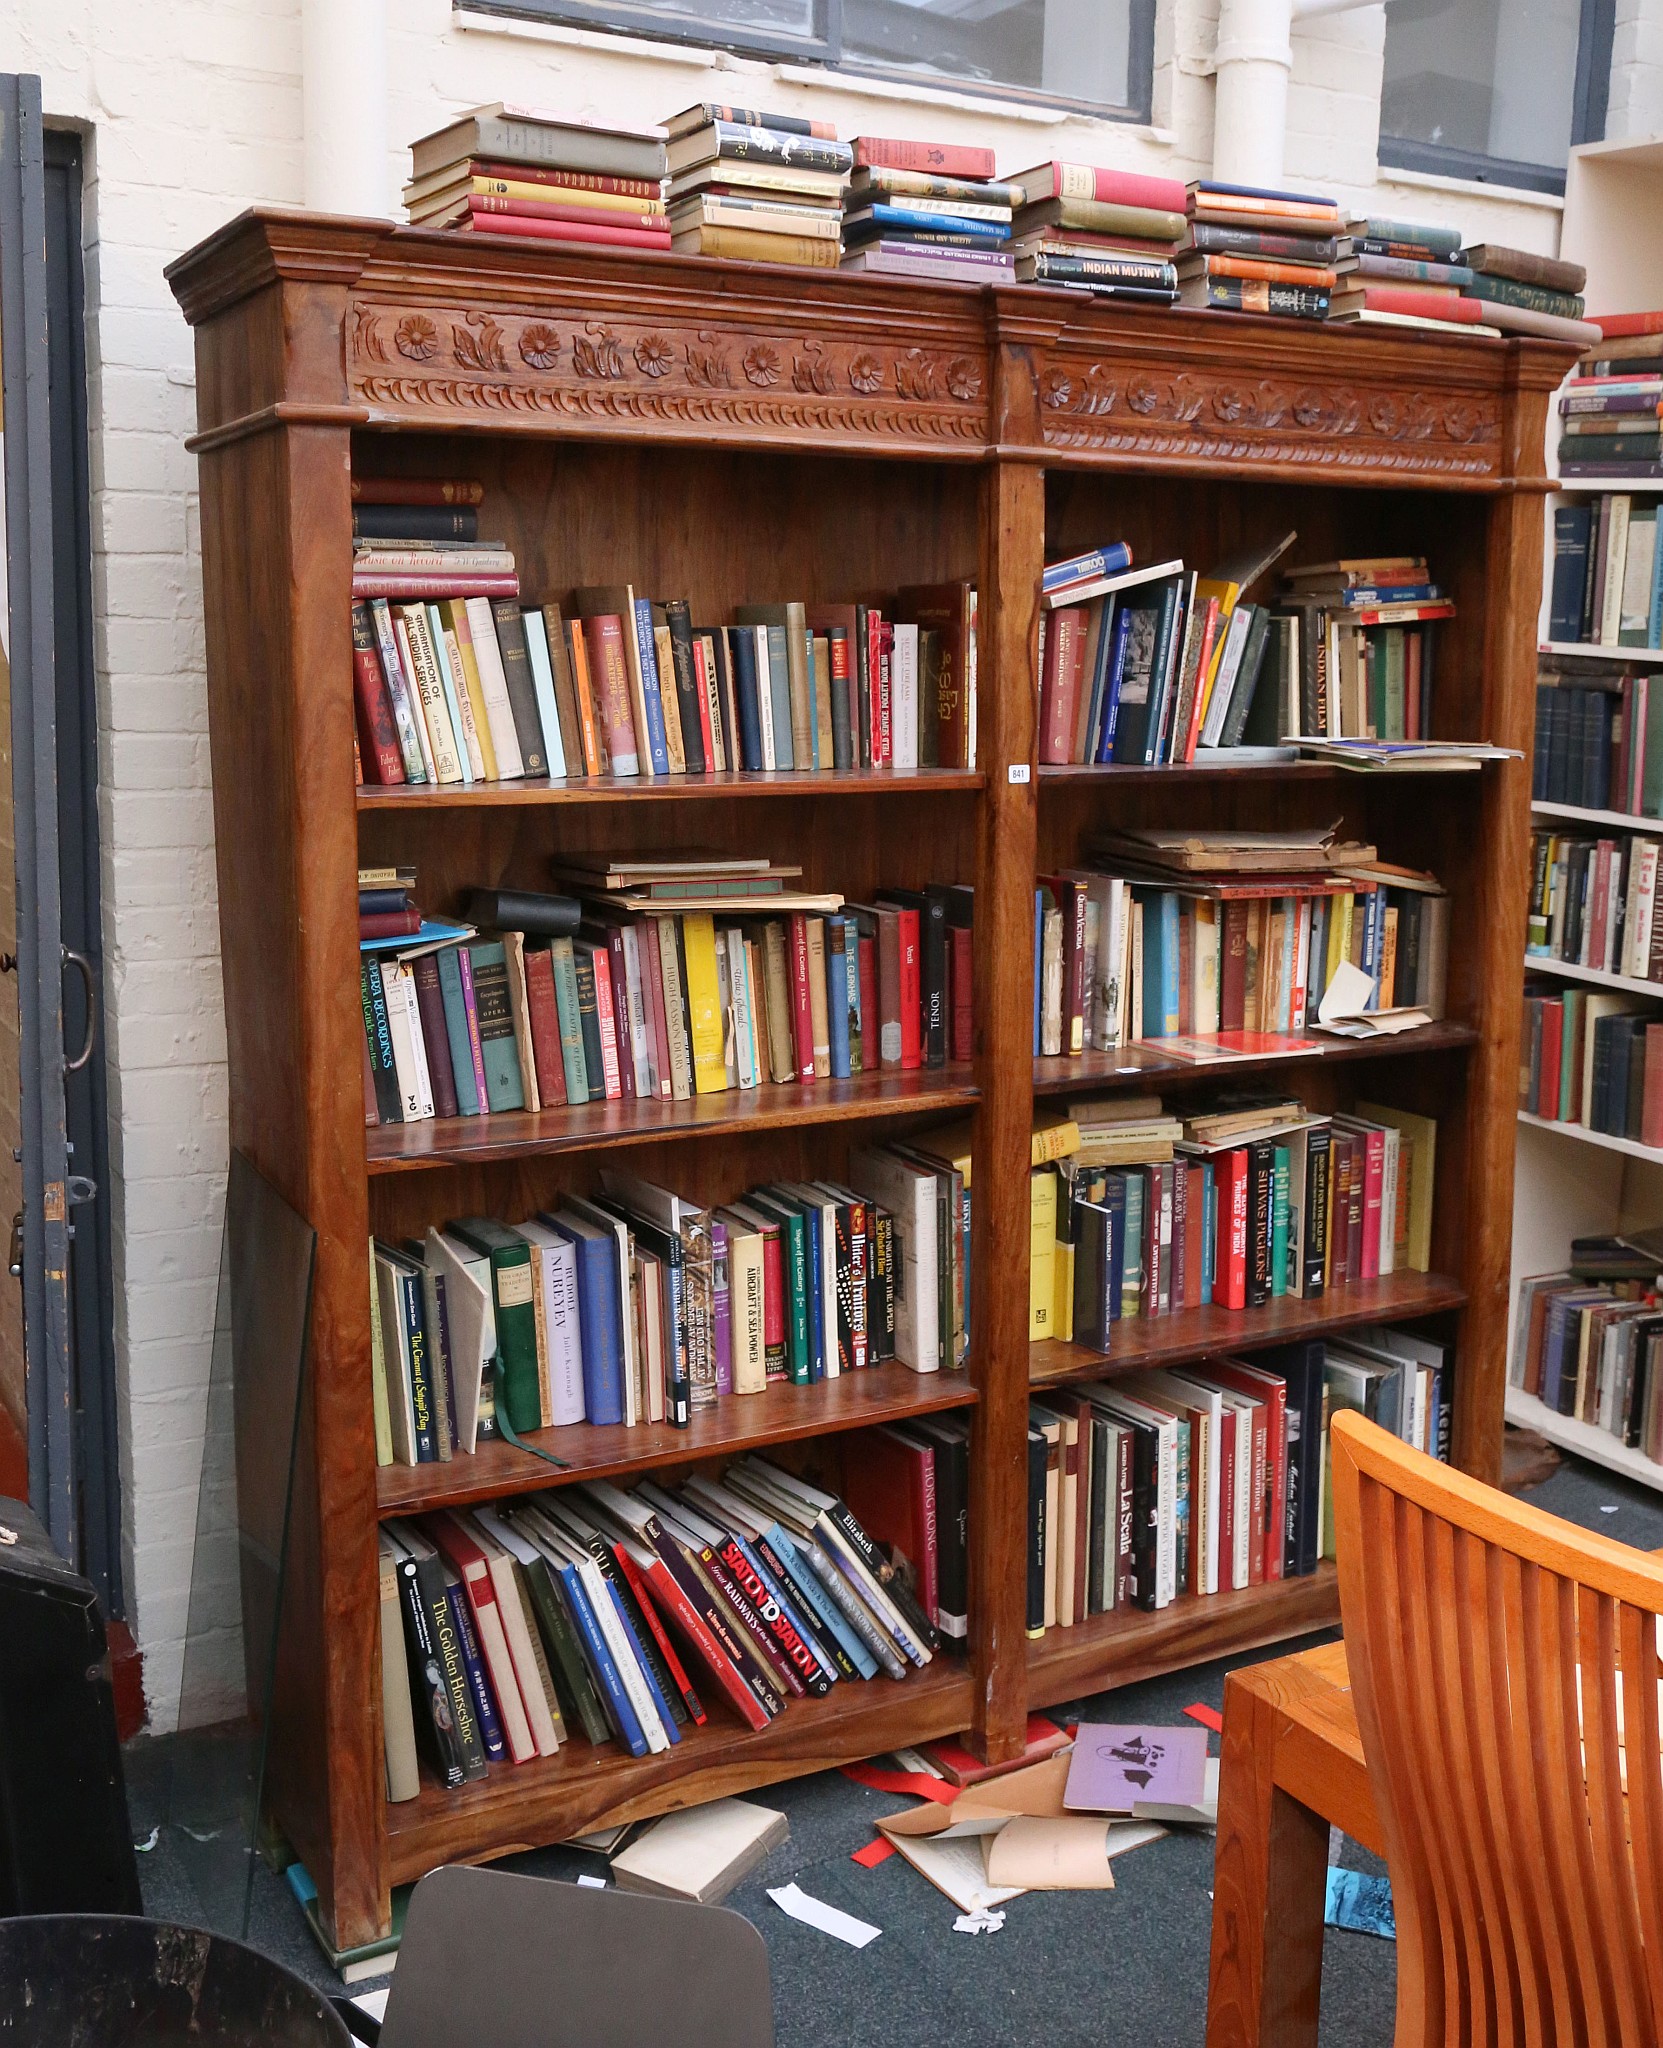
796,1295
572,1057
578,1702
1396,727
588,1017
496,1026
1279,1221
512,1280
1651,790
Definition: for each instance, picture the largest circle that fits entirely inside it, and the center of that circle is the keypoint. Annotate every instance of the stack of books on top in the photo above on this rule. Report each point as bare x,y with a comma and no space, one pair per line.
1609,410
764,187
507,170
1519,292
927,209
1295,281
1395,273
1091,229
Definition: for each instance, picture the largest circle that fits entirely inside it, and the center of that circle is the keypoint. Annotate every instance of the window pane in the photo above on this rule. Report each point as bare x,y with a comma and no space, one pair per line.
1074,49
764,17
1494,78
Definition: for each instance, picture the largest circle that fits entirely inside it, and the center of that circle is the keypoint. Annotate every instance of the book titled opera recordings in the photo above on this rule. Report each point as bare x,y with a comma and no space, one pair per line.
1209,1477
631,1616
1148,1214
658,977
457,682
1216,944
639,1306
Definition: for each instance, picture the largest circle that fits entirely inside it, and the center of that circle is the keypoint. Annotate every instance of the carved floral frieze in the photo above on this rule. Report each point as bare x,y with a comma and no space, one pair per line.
558,366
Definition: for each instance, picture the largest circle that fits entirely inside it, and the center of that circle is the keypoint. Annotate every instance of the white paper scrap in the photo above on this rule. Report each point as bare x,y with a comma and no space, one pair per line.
1346,995
979,1922
374,2002
594,1884
816,1913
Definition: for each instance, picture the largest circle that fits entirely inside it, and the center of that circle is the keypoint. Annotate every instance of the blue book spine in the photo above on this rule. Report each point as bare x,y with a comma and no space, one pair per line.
824,1605
1160,962
601,1666
964,1251
774,1567
1209,1232
1290,935
421,1352
1372,924
658,751
678,1387
743,645
1114,1279
1654,617
485,1706
598,1317
837,993
1400,593
816,1307
1552,1352
993,232
1084,568
645,1662
1111,692
456,1030
786,1605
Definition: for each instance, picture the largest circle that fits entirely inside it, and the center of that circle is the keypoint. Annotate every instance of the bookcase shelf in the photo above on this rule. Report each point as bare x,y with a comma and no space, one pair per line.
1135,1645
1203,1332
1582,1439
782,1414
593,1126
840,437
1145,1066
1605,1140
1583,651
538,792
1595,977
1578,814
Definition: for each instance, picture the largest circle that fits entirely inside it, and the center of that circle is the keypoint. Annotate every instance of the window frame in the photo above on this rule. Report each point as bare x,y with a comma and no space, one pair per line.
825,48
1590,97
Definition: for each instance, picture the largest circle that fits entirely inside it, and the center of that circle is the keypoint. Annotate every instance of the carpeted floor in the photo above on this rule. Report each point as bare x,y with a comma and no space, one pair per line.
1066,1970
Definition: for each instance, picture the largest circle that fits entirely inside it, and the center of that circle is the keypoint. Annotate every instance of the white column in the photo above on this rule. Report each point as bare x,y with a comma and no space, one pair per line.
1250,114
343,63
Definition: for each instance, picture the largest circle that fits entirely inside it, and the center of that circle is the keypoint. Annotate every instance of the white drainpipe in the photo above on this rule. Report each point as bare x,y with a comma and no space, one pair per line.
343,67
1253,59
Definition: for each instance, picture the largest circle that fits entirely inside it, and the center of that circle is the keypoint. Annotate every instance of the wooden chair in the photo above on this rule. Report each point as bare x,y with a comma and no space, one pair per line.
1498,1658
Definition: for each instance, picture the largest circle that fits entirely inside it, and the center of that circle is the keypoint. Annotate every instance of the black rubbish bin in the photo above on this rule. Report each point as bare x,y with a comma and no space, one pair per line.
89,1980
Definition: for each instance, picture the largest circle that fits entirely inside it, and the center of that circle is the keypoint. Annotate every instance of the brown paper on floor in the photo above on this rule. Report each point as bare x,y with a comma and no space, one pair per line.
1068,1854
1035,1792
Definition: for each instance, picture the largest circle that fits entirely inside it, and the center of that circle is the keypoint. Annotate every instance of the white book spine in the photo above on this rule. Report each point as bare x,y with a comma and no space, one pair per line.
764,695
457,702
398,985
565,1330
643,1050
629,1670
418,709
499,713
447,755
739,990
542,677
903,698
539,1719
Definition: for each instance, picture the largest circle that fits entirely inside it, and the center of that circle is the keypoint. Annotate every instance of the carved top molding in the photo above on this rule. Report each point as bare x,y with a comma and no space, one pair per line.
443,329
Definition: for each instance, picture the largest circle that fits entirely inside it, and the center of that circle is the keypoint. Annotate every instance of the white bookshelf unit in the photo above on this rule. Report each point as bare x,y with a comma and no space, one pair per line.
1570,1181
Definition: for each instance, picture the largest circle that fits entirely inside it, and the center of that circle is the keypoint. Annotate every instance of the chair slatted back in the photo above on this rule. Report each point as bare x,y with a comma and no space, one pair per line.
1505,1670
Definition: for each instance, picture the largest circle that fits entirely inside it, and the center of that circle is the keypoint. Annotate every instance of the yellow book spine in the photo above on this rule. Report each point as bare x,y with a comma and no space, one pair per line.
1062,1315
801,251
455,615
564,195
1339,938
378,1376
1055,1141
1042,1254
704,1004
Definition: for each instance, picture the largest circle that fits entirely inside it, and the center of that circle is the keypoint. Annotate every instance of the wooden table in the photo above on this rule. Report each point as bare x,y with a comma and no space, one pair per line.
1292,1763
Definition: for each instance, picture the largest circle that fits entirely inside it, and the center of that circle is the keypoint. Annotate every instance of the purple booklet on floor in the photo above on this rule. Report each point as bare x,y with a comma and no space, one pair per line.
1112,1769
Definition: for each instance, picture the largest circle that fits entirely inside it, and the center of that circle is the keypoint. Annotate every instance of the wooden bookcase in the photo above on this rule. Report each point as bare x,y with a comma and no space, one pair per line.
733,432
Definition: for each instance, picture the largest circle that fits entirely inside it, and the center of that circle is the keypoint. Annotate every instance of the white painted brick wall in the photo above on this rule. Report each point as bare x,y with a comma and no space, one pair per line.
192,111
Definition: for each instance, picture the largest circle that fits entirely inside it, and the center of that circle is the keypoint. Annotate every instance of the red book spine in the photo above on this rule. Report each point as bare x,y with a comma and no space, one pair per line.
1152,1241
620,1009
1278,1461
1232,979
883,747
649,220
773,1306
869,1027
390,924
860,1254
544,1018
1611,325
941,159
652,979
378,748
702,677
1059,684
1548,1102
1421,305
553,174
1195,1244
1232,1231
1374,1168
416,490
1209,632
1179,1257
1256,1498
1651,1115
962,973
564,230
802,1015
470,1010
638,1586
800,1660
756,1632
685,1618
924,1518
433,583
430,1004
606,1015
912,1033
1339,1210
1123,188
1075,970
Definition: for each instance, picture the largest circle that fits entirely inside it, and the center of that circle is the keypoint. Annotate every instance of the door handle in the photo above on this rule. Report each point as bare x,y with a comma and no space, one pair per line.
89,982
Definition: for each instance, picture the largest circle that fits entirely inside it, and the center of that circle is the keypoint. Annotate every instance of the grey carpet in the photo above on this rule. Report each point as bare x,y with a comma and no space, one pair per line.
1066,1970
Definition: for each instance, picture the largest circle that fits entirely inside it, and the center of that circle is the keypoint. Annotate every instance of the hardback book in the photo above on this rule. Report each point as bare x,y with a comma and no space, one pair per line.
702,1852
